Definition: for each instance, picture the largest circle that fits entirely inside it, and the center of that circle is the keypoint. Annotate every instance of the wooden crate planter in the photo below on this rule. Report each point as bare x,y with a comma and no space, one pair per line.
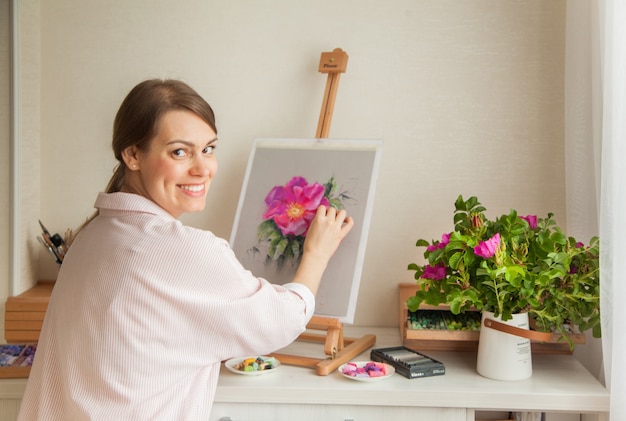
24,313
456,340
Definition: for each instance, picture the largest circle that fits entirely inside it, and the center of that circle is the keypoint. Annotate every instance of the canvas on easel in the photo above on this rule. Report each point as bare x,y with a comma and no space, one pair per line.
283,177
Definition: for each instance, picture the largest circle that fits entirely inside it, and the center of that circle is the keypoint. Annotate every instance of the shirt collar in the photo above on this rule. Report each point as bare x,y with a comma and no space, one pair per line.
128,202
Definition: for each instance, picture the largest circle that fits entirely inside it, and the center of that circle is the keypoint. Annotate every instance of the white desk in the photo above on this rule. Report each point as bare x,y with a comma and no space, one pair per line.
559,384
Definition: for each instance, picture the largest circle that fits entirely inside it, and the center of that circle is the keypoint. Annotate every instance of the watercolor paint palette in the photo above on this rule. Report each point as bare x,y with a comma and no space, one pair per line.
410,364
252,365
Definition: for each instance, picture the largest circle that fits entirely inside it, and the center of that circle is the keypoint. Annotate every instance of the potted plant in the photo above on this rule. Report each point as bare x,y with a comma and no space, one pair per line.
512,264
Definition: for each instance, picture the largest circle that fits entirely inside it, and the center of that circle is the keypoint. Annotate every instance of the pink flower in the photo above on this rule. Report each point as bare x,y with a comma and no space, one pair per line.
445,239
487,249
531,219
293,206
435,273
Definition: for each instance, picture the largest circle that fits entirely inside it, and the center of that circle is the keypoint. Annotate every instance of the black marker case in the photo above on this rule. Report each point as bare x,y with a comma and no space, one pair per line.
411,364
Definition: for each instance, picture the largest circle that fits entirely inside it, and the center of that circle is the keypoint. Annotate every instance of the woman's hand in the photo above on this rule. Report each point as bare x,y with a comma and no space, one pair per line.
327,230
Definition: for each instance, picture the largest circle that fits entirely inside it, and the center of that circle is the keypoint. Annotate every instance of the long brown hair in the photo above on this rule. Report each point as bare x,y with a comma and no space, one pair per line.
137,122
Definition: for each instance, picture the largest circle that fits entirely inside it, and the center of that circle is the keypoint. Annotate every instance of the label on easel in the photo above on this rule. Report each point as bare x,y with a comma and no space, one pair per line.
335,61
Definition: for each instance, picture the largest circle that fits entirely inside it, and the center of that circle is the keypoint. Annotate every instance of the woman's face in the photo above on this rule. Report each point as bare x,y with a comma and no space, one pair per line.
177,169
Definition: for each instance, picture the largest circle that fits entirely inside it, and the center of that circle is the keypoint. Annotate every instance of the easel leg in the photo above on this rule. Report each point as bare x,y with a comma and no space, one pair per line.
339,349
327,366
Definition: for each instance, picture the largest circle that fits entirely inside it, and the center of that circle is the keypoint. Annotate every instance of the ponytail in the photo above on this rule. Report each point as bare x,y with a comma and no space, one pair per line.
117,180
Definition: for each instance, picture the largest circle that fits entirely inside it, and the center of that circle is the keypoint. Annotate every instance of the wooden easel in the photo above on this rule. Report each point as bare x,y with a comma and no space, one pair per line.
338,348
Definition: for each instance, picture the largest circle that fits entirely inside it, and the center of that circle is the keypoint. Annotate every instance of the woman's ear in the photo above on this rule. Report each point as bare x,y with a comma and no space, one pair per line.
129,155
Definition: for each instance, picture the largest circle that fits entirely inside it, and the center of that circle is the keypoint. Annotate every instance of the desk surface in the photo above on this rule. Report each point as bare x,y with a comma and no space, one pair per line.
558,383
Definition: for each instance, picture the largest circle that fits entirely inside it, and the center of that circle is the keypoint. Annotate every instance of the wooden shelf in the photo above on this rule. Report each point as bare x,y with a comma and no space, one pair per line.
24,313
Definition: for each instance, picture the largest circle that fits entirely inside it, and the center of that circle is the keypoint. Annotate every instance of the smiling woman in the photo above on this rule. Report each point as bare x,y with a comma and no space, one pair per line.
177,168
149,111
144,308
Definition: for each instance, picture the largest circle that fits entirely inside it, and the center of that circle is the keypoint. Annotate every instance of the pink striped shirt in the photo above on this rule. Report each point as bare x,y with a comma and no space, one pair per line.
143,311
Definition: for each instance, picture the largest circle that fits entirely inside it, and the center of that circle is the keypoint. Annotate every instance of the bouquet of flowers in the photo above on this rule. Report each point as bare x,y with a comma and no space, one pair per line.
510,265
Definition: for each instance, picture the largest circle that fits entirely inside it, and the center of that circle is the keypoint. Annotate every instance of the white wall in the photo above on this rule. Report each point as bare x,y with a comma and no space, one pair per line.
5,137
468,96
27,170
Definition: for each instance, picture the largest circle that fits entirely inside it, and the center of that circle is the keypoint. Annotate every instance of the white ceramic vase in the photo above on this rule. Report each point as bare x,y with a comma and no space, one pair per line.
501,355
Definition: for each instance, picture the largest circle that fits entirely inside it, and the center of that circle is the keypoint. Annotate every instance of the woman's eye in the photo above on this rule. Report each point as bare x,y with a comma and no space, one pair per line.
179,153
209,150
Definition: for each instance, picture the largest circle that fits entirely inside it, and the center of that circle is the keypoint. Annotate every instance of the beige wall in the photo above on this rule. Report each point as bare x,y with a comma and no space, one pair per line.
468,97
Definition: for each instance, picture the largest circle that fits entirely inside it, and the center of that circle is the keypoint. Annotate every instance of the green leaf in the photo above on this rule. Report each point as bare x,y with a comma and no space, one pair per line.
455,260
460,204
413,303
471,203
455,306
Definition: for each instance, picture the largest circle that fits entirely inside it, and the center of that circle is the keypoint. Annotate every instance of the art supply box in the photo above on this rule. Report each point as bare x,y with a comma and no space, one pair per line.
411,364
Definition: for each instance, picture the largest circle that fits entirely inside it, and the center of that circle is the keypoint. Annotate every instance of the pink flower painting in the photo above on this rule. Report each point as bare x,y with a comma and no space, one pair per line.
290,208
